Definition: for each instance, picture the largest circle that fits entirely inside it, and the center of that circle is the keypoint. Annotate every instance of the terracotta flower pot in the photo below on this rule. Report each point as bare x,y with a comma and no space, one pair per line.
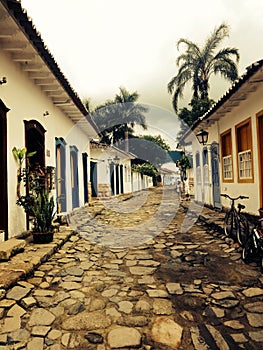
42,238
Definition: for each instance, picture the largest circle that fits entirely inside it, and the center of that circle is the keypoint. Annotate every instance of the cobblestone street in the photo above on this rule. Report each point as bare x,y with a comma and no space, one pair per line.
138,273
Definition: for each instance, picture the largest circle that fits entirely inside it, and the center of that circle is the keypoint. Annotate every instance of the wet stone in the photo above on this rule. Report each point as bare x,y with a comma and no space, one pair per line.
174,288
142,306
54,334
239,338
17,293
226,303
234,324
41,317
40,331
125,306
140,270
166,332
157,293
223,295
94,338
16,311
36,343
146,280
255,320
162,307
122,337
256,307
253,292
133,321
19,335
256,336
11,324
87,321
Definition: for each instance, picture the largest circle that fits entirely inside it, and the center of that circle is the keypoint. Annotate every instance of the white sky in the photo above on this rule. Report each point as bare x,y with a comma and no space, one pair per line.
101,45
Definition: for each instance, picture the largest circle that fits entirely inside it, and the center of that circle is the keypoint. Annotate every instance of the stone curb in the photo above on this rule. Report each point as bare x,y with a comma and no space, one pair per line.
24,263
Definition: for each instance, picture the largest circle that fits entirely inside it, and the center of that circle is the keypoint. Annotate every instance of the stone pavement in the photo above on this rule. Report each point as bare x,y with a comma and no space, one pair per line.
135,273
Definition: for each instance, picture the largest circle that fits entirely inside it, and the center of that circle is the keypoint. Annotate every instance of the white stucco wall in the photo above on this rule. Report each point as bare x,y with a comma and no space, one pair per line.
246,109
27,102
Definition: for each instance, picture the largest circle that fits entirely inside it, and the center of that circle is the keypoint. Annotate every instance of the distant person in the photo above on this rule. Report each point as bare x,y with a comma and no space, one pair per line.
179,189
186,189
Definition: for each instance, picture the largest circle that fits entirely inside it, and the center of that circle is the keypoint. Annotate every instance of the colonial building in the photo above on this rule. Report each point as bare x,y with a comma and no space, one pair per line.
39,110
111,172
232,160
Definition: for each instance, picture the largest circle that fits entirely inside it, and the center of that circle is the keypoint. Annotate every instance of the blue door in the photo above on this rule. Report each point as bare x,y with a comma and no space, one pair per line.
61,175
74,176
215,175
85,176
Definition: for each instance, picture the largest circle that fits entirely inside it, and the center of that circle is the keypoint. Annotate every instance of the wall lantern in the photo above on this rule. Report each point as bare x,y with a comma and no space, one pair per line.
202,136
3,81
116,160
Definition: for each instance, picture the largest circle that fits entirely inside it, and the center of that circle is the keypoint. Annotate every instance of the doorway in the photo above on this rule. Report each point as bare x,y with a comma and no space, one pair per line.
93,179
3,170
85,176
35,142
74,176
215,175
260,157
61,175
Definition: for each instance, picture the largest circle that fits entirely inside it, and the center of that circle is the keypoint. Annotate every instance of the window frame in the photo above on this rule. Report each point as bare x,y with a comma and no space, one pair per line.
222,136
237,127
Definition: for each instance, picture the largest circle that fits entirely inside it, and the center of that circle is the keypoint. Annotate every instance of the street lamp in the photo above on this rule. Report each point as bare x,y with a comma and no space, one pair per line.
116,160
202,137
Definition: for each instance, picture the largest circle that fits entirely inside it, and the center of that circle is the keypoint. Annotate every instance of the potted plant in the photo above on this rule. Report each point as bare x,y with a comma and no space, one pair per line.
43,215
36,202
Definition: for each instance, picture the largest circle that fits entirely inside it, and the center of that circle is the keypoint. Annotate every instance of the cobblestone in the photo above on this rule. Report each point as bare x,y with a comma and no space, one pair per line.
174,290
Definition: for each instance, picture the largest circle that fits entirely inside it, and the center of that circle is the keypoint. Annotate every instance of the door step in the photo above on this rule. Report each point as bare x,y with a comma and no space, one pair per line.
11,247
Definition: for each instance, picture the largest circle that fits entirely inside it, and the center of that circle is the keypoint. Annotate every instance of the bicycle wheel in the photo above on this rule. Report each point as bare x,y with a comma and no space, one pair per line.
247,249
243,230
230,225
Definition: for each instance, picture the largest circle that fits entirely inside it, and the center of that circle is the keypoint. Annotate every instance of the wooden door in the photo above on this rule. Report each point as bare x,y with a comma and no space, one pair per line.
3,171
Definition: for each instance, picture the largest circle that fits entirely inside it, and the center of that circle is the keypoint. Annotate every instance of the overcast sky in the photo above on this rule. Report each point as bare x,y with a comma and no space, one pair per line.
101,45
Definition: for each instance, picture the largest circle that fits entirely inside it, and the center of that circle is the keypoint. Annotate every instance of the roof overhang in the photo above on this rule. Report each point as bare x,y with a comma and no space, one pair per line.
240,91
25,47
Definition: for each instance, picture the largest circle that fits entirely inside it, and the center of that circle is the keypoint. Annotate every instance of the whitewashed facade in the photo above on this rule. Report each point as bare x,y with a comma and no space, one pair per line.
38,110
232,161
111,172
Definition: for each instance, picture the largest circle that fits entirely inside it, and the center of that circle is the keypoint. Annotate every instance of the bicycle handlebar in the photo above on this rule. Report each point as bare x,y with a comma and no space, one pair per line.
233,199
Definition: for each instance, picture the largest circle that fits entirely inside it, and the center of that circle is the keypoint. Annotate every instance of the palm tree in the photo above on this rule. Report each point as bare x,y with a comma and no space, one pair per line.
197,65
117,118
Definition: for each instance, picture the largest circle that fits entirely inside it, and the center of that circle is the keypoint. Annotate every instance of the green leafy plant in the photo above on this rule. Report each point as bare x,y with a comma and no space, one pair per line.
146,169
20,154
43,213
37,202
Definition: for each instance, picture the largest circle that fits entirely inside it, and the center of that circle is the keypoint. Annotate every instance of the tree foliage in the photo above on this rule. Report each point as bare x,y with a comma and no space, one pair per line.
158,140
146,169
117,118
197,64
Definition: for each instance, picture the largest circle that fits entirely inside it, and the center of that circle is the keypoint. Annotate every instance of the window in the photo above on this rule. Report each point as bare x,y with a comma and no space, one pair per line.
227,158
244,151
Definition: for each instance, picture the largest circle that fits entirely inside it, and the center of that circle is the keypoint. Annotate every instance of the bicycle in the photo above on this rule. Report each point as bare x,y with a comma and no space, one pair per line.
254,244
236,224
